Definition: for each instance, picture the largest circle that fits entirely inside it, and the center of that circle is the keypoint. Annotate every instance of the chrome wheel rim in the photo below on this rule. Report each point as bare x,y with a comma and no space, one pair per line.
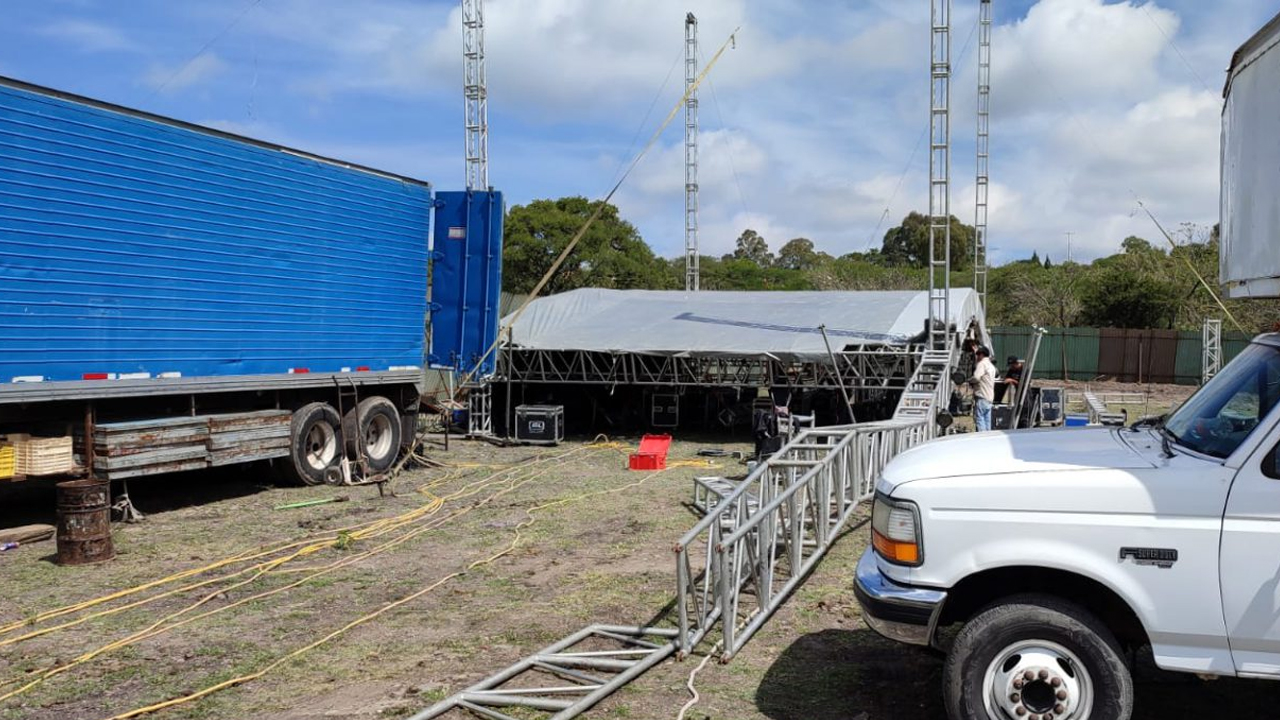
321,447
1037,680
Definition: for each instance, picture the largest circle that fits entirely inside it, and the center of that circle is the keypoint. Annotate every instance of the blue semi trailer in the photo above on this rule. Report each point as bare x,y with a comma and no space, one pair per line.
177,297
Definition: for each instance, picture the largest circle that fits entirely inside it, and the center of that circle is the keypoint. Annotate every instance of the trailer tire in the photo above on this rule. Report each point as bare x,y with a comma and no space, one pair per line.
372,430
315,444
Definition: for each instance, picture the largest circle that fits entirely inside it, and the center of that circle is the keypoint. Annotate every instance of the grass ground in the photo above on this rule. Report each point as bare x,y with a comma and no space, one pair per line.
601,553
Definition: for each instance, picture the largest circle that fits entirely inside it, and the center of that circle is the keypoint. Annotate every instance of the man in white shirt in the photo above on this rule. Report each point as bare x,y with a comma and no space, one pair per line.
983,383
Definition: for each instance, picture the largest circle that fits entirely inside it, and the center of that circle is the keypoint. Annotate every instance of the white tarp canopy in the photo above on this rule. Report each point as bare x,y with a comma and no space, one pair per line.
783,325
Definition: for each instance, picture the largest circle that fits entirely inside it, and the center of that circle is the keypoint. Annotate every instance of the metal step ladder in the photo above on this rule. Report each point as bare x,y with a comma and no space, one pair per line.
918,398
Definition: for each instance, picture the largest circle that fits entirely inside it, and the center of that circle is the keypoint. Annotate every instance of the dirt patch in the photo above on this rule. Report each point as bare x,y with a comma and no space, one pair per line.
599,550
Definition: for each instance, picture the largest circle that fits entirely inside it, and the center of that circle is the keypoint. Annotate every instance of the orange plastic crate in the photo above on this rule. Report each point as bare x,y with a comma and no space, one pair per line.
652,454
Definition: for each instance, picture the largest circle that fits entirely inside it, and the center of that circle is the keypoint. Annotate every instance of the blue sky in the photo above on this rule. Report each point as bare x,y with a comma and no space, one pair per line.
808,125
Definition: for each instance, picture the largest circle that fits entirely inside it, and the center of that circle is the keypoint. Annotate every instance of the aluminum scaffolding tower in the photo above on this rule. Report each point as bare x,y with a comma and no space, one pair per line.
690,154
475,94
983,152
940,174
1211,353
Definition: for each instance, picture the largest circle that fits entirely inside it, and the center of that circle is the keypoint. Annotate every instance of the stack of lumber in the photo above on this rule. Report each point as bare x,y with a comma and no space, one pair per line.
149,447
244,437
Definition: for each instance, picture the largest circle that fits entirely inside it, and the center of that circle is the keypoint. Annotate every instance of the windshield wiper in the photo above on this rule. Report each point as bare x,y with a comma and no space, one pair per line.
1155,421
1166,435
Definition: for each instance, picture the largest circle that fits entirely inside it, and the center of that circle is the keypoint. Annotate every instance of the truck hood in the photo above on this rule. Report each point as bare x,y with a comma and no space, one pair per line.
1020,451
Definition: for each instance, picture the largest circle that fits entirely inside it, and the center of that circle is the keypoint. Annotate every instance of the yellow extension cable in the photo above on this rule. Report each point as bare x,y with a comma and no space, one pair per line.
515,543
375,529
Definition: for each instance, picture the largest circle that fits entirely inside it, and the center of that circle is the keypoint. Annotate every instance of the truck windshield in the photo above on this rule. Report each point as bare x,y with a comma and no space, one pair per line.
1220,415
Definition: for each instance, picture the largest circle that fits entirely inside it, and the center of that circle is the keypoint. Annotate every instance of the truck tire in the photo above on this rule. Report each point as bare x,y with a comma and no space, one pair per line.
372,430
315,444
1036,657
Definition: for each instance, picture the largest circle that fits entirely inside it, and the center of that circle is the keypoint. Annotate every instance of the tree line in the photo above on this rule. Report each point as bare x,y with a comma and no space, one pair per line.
1144,285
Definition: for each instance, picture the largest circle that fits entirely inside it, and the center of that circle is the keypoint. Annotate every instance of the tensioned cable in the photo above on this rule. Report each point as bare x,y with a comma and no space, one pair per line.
733,167
205,48
964,52
600,206
647,113
1176,49
1074,117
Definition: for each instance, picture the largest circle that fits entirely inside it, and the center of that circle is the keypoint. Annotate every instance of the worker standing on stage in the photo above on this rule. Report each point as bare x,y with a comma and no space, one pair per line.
983,383
1009,383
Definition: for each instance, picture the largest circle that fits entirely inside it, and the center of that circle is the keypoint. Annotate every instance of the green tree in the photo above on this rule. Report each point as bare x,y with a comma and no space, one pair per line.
752,246
1118,297
611,254
908,243
798,254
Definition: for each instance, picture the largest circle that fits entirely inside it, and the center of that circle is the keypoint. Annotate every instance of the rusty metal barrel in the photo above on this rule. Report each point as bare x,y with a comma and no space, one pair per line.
84,521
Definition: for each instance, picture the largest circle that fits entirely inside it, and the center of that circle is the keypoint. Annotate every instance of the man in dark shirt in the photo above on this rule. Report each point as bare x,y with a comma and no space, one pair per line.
1012,377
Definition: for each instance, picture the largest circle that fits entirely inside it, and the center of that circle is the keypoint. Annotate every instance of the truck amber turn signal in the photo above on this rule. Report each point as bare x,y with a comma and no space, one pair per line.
895,532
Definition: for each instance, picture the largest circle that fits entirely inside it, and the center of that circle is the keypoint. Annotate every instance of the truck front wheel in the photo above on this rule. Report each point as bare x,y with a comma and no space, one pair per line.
1036,657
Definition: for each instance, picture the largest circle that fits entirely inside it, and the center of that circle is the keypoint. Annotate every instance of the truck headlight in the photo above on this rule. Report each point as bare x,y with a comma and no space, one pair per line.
895,531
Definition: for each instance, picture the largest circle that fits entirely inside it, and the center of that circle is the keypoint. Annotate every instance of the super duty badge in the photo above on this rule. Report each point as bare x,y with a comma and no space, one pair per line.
1160,557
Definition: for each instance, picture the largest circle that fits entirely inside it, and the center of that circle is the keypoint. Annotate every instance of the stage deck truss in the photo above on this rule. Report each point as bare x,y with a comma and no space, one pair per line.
876,368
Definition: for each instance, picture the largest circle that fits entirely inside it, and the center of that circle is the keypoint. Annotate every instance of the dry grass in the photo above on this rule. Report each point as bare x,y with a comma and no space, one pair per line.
606,558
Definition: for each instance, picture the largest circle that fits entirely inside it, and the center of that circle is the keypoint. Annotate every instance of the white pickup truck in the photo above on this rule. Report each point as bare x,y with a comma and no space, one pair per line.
1058,551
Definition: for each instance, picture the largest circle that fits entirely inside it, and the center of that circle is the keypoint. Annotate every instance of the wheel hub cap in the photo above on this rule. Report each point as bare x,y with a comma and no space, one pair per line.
1038,680
321,446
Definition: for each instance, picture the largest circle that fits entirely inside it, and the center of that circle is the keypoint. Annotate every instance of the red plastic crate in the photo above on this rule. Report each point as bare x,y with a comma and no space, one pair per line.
648,461
652,454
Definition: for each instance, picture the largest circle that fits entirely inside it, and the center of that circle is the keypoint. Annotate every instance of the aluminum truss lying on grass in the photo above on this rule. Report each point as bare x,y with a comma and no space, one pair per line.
759,541
582,670
755,545
878,368
745,557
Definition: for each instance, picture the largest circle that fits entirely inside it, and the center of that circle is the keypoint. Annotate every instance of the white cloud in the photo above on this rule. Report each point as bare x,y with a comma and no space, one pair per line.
169,78
1077,51
89,36
817,109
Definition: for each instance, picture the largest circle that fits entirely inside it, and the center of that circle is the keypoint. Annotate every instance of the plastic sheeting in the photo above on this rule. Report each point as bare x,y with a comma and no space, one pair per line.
1250,212
783,325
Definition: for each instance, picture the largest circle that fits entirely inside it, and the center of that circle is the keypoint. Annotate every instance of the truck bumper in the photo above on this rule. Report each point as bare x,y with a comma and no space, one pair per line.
899,612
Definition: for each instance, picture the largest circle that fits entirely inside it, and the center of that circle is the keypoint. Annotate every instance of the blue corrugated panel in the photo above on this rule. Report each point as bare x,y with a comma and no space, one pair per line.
466,280
129,244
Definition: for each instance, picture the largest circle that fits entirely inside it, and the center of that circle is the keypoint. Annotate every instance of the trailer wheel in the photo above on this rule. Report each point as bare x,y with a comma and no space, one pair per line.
375,436
315,444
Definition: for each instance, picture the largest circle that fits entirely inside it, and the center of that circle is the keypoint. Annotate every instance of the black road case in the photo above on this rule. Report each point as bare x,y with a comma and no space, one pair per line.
540,424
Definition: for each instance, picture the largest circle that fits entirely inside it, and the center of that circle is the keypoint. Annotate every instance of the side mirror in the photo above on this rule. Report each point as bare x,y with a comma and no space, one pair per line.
1271,463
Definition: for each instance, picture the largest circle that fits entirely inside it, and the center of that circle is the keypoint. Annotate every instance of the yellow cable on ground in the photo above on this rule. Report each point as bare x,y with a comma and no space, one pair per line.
515,543
166,623
241,557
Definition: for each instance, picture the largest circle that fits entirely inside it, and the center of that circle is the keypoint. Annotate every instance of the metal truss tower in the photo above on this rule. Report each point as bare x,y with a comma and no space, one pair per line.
690,154
983,149
475,94
940,174
1211,350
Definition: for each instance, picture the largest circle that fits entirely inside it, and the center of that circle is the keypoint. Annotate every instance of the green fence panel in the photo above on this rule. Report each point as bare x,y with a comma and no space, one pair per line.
1188,367
1076,350
1233,342
1081,345
1065,353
